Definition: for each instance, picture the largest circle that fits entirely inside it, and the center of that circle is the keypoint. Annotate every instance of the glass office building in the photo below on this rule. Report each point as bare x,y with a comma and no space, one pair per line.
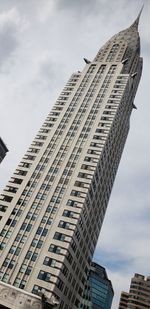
98,292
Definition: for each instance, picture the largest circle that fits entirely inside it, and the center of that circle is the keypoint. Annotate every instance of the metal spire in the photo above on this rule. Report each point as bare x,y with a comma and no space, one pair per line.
136,22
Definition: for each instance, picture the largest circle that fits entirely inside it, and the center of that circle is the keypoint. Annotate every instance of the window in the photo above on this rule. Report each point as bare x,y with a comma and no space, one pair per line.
73,203
22,284
23,226
28,255
61,304
78,193
6,262
69,257
45,231
73,245
64,225
16,180
65,270
15,250
7,198
49,262
20,172
11,264
59,236
23,268
17,282
77,302
43,275
42,231
54,249
60,284
3,208
34,257
29,226
23,239
39,244
28,270
67,213
66,291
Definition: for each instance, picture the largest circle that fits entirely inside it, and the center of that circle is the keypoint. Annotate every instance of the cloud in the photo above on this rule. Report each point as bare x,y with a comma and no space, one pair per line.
87,8
83,6
123,246
11,26
49,72
81,10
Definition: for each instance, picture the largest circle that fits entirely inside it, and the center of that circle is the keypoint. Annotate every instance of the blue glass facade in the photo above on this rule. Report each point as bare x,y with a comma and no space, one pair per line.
98,292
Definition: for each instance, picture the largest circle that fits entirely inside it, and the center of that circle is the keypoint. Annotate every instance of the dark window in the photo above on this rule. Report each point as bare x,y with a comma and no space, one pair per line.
43,275
65,270
49,262
34,257
69,257
59,236
60,284
28,255
28,270
45,231
7,198
54,249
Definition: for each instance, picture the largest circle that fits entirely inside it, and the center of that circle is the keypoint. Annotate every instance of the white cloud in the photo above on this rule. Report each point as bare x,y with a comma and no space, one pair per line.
46,10
11,26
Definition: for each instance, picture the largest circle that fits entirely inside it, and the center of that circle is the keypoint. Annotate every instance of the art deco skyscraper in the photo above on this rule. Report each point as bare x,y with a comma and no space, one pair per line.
53,207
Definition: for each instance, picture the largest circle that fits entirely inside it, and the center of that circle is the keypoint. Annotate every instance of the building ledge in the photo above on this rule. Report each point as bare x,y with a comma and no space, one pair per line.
15,298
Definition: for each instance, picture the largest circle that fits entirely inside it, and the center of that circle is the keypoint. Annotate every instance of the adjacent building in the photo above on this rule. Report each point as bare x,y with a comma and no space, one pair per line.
139,294
52,209
98,293
123,300
3,150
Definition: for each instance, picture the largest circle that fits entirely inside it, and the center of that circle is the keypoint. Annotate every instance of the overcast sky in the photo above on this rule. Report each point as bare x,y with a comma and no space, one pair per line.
42,42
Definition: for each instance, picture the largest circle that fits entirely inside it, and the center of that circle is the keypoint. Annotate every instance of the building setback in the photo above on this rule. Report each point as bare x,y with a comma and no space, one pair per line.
3,150
139,294
98,292
53,207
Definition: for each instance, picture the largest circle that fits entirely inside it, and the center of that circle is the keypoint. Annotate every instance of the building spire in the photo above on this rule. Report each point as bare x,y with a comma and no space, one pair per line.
136,22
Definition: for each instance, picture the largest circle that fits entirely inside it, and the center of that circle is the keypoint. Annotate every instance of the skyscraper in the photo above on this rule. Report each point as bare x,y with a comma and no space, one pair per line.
53,207
139,294
98,292
3,150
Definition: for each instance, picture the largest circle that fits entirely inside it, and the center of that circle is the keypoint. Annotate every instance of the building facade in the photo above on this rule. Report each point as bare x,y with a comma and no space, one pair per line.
3,150
98,293
123,300
139,294
53,207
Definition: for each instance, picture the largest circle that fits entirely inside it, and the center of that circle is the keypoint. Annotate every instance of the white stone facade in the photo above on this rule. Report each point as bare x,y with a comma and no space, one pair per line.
52,209
15,298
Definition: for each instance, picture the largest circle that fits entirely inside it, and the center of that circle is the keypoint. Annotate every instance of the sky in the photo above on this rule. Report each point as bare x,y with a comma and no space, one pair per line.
42,42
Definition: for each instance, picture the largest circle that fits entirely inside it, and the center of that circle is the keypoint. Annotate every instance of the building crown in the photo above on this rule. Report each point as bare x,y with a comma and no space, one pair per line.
136,22
128,37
